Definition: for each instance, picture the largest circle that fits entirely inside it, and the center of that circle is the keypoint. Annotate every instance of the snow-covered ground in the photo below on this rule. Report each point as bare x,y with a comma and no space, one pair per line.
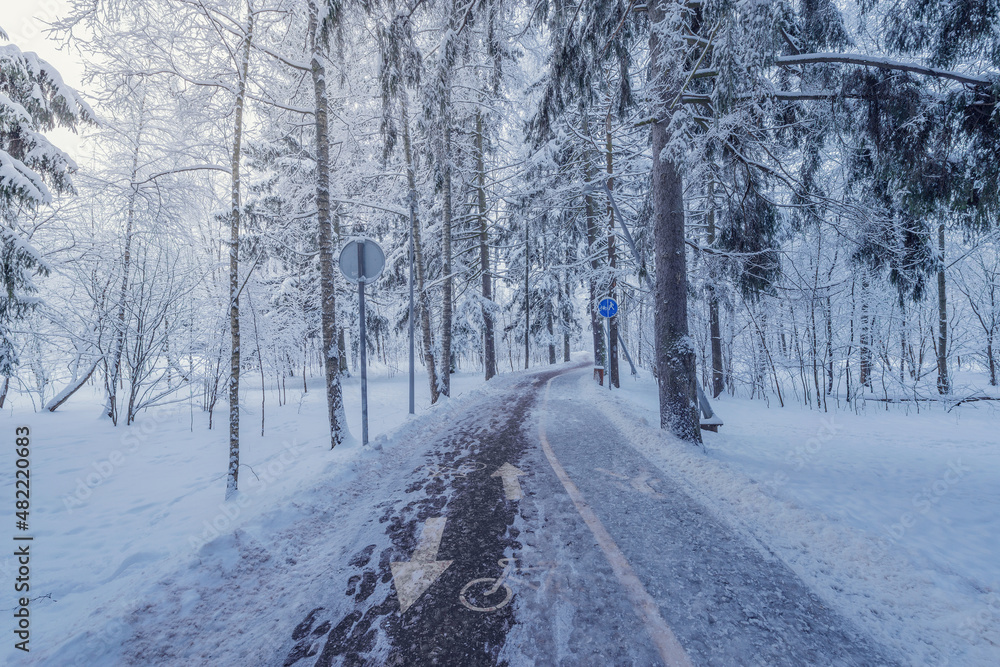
113,510
892,517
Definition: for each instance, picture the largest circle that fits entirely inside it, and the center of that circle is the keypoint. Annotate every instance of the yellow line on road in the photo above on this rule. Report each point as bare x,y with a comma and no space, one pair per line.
645,607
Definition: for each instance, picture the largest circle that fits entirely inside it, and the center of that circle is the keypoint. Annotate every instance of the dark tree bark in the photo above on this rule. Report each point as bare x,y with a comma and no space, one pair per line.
590,210
423,302
489,337
342,345
327,260
989,357
447,290
613,376
566,308
829,345
527,296
675,353
943,381
550,327
714,323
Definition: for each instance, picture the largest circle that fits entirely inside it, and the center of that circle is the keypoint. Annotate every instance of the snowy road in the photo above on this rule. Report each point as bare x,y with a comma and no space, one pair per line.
534,534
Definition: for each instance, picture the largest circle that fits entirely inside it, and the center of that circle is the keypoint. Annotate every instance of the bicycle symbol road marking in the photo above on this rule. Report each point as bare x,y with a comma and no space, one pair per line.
477,593
508,565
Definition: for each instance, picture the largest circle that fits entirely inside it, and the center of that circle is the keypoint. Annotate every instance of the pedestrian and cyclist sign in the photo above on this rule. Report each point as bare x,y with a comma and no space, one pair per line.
608,307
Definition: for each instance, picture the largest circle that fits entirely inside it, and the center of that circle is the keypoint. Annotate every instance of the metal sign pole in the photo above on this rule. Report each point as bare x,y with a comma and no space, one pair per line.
607,352
364,344
357,251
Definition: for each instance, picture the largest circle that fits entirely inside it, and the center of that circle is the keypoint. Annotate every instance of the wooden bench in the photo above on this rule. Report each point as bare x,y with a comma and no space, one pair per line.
709,420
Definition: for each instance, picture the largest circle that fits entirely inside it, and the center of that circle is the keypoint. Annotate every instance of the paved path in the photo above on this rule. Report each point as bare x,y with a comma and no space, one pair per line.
536,535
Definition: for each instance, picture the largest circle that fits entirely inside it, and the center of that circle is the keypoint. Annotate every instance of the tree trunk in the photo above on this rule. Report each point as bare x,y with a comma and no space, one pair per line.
943,382
715,329
212,389
813,330
327,260
113,376
527,295
613,376
714,324
591,215
260,364
232,478
850,342
3,392
990,336
166,350
549,325
489,337
447,291
989,356
70,389
865,336
829,345
565,309
342,345
675,354
423,302
305,356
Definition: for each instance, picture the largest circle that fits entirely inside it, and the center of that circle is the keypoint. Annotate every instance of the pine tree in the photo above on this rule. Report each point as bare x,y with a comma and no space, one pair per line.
33,100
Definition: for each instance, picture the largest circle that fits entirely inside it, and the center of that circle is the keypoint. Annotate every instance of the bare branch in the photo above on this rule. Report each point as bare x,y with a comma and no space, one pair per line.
865,61
882,63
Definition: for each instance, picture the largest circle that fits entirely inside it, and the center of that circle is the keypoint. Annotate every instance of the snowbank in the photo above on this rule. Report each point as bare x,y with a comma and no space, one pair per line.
893,518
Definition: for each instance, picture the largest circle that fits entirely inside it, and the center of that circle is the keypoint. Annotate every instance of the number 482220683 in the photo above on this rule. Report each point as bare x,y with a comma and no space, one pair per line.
22,443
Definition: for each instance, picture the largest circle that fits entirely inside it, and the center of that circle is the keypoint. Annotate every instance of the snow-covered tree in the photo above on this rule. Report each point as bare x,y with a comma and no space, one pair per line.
33,100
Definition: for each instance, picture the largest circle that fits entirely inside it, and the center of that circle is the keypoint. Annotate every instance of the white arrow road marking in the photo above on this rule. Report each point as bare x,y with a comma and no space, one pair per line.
509,475
415,577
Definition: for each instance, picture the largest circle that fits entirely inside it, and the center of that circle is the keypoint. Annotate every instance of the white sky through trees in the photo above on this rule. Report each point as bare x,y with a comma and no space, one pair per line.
25,24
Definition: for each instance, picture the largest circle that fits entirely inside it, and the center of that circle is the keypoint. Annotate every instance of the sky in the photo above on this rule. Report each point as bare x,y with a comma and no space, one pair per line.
25,21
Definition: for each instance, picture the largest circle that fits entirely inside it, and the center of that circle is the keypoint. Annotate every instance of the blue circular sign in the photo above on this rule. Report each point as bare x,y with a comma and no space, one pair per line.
608,307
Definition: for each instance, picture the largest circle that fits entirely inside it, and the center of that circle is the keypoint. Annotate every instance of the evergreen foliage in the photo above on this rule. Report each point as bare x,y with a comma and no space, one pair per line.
33,100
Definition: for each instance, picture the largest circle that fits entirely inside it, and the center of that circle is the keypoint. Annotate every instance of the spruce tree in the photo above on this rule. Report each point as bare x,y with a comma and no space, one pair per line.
33,100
